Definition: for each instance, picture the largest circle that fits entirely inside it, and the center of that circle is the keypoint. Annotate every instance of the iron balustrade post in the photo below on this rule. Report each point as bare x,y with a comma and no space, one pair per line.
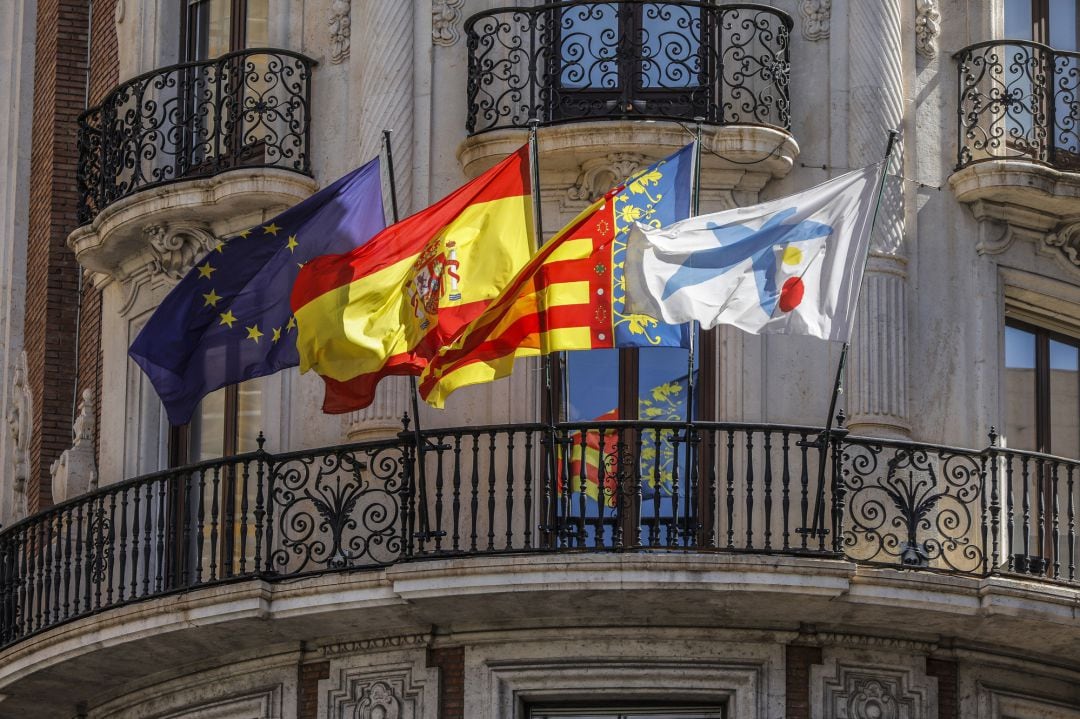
995,501
839,487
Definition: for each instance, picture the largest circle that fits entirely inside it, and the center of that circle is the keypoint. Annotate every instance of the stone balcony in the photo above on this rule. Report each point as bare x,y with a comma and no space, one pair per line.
224,141
614,86
1018,140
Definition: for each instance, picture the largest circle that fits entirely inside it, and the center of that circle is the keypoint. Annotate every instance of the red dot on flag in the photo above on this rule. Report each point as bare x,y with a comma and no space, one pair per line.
791,294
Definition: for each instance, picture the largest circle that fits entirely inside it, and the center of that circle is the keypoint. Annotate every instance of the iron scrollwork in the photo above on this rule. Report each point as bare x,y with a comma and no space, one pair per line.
921,509
245,109
571,61
336,510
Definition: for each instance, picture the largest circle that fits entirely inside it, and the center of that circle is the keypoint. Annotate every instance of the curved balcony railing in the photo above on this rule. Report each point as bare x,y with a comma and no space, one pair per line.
675,60
1018,100
249,108
648,486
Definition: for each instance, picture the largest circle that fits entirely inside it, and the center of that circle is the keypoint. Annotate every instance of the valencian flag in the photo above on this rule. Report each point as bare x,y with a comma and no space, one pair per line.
229,320
570,296
789,266
387,307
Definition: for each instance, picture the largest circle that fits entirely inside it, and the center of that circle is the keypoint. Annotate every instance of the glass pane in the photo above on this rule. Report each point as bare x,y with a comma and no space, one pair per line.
592,382
209,23
1064,32
670,46
257,32
588,38
1018,20
1020,388
249,416
208,428
1064,399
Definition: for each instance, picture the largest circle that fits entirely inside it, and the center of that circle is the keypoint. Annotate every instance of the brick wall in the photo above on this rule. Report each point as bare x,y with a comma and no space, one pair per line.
51,275
948,687
450,661
307,688
54,308
799,661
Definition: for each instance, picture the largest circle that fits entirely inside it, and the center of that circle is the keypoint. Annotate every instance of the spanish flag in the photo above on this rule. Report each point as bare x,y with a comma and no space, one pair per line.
388,306
571,294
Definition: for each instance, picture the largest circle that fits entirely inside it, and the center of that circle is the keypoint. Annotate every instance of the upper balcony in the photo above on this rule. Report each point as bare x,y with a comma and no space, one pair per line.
1018,110
227,137
570,65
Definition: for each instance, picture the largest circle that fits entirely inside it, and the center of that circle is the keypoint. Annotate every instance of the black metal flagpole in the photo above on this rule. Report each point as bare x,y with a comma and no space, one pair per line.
817,528
421,473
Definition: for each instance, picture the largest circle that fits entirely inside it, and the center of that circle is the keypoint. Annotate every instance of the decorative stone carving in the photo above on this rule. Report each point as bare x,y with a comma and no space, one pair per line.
927,27
118,12
75,471
340,30
375,693
598,175
174,248
1067,240
19,416
377,644
875,693
444,19
816,19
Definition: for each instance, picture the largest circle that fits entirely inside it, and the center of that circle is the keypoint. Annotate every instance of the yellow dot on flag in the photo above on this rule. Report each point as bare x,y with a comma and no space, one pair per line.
271,229
792,255
292,244
227,318
205,270
211,298
254,333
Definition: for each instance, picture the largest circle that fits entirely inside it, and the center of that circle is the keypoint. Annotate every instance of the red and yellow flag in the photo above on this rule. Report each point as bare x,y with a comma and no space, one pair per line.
388,306
559,301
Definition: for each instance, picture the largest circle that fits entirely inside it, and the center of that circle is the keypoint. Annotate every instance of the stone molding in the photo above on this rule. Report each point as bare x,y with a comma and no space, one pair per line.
865,691
340,24
927,28
864,641
377,644
1059,242
75,471
381,418
445,15
816,19
380,692
598,175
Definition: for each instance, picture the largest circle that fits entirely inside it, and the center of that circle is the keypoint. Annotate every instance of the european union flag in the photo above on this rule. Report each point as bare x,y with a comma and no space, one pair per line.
229,319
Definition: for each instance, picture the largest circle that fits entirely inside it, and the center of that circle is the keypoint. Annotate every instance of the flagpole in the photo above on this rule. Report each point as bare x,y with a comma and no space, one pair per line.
417,435
838,387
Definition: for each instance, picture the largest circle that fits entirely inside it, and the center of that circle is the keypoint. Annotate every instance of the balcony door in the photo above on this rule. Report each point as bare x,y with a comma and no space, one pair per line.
211,28
629,58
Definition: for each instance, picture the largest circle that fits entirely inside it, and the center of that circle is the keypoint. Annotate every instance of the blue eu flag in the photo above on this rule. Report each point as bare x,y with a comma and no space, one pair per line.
229,319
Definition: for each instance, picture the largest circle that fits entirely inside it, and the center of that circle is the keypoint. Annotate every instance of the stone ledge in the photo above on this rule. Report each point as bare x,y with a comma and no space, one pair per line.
114,244
1024,194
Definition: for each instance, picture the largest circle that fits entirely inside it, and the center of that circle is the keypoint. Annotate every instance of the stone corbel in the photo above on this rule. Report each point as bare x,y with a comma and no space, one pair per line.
1064,244
927,28
817,16
598,175
75,471
340,30
445,15
171,252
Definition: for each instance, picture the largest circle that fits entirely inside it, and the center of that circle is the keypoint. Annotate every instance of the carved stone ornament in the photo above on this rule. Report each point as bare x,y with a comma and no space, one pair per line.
445,15
817,16
19,415
391,694
877,693
340,30
174,248
75,471
1067,241
598,175
927,27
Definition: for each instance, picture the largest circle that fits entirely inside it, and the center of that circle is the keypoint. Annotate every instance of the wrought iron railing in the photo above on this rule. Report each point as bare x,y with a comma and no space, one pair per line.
1018,100
602,487
674,60
249,108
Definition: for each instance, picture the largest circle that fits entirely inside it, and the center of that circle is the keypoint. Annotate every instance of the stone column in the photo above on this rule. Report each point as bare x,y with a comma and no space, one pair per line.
387,86
877,374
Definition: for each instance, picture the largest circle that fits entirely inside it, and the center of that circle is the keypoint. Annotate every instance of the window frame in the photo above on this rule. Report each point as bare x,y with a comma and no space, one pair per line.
1041,378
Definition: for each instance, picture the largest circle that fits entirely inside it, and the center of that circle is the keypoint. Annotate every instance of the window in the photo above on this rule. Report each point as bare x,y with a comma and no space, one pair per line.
1042,390
628,713
210,28
227,422
637,58
1052,22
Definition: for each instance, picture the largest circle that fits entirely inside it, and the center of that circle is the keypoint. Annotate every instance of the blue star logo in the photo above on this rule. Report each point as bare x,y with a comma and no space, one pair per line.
738,243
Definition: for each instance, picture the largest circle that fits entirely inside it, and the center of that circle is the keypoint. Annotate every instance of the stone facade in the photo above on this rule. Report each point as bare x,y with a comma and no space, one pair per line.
803,637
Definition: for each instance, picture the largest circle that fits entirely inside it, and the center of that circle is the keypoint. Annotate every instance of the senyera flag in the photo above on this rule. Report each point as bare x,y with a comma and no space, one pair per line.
789,266
389,306
229,319
570,296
